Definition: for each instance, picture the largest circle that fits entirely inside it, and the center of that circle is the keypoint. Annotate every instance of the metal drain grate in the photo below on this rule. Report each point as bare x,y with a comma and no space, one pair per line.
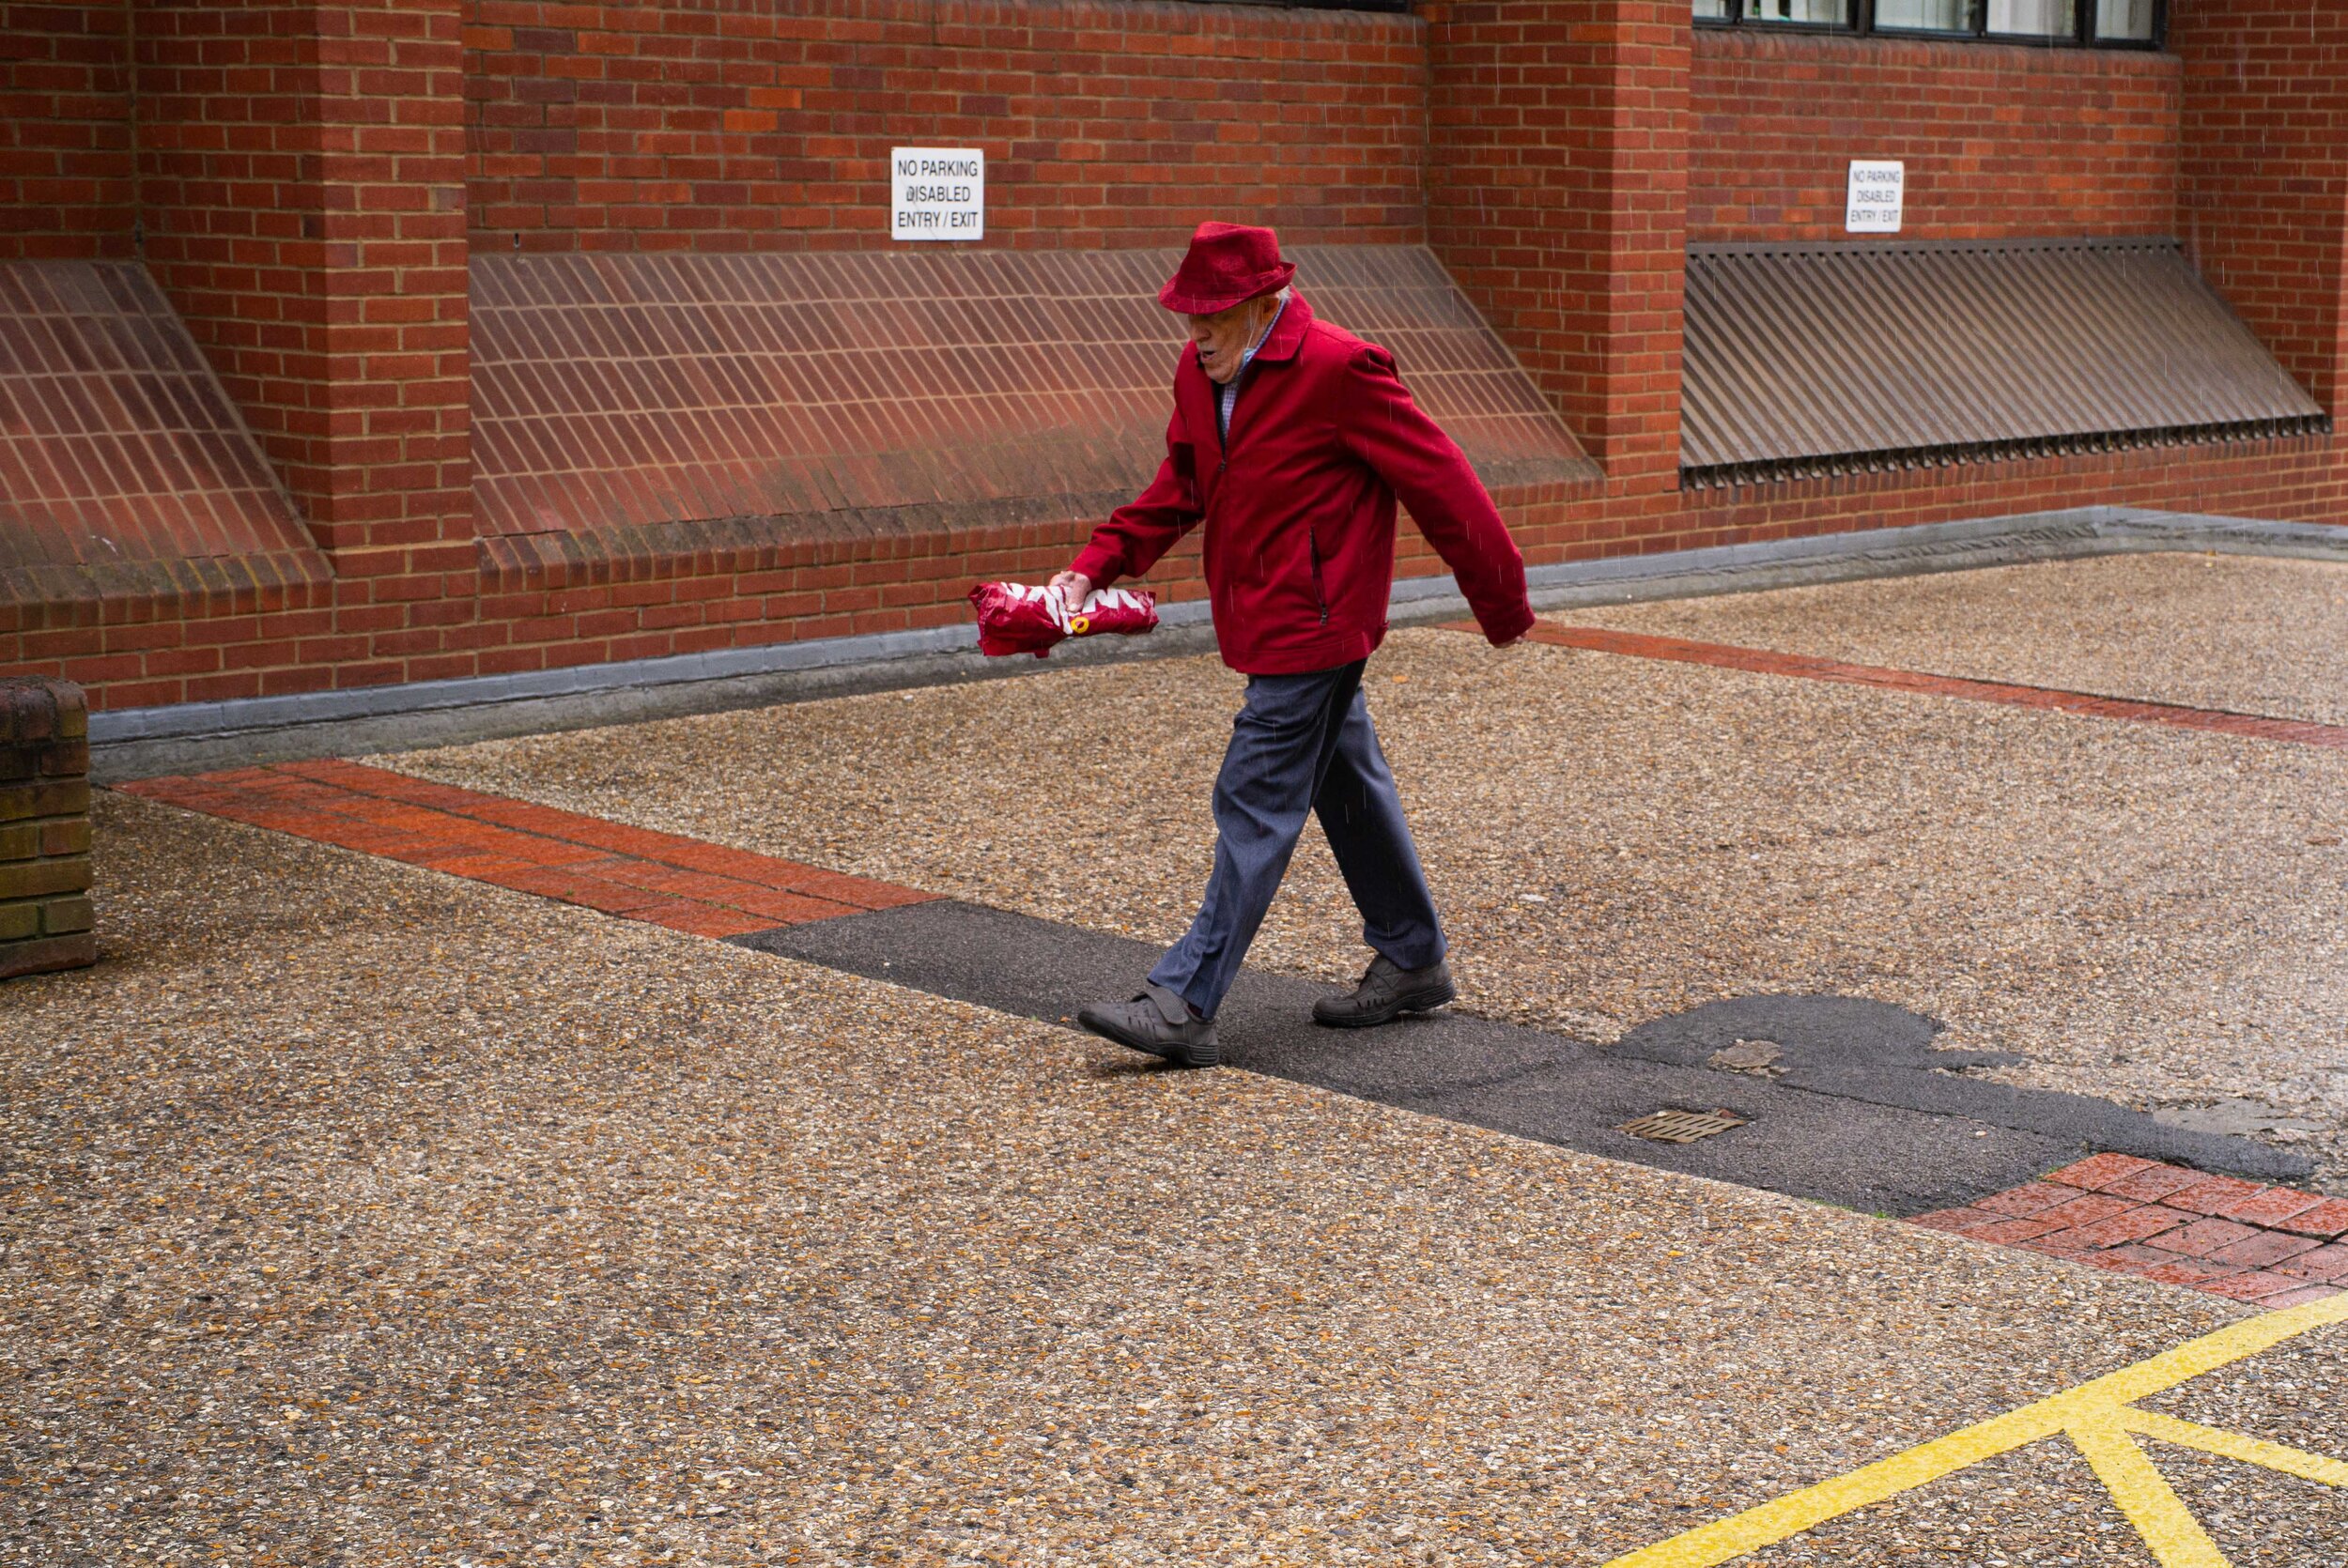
1681,1127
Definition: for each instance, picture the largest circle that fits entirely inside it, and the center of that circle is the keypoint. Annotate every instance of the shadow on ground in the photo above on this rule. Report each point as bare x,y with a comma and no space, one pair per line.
1846,1102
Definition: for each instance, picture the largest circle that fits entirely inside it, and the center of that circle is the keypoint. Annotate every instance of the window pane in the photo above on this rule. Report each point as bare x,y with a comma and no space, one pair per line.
1829,13
1926,16
2038,19
2124,19
1711,10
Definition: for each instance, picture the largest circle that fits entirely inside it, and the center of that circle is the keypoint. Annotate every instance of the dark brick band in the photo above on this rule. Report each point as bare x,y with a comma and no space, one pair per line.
45,917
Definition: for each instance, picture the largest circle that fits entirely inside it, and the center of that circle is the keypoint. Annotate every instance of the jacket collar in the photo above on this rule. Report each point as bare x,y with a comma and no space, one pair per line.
1200,395
1279,346
1288,333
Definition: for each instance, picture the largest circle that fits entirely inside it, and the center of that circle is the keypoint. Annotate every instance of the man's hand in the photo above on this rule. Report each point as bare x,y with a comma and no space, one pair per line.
1074,589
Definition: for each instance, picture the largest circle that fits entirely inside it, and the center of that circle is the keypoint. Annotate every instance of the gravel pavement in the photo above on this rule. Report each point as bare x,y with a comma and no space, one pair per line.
2150,916
361,1215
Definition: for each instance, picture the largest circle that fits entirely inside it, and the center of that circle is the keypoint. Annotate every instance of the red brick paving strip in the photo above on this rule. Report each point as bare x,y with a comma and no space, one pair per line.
1767,662
686,884
2272,1245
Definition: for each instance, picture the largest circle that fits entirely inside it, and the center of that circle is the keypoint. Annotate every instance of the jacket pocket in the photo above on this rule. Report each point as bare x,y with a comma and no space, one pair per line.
1321,593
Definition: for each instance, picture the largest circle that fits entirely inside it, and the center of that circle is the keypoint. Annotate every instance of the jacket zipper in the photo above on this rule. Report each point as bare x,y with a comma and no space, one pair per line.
1223,436
1320,597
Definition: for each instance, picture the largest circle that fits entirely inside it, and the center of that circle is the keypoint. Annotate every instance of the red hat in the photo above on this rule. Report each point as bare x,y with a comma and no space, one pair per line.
1227,264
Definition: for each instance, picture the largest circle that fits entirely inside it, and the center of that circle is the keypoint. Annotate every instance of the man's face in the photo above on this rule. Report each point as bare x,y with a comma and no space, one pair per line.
1224,337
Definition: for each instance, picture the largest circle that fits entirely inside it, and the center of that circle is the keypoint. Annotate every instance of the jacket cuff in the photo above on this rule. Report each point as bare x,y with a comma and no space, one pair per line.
1508,626
1100,565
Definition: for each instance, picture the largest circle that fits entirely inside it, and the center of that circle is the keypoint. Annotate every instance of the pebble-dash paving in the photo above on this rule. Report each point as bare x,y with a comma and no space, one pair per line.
1850,1108
358,1213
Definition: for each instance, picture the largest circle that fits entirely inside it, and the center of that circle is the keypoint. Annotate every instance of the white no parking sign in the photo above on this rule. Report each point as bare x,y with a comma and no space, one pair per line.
1873,202
937,193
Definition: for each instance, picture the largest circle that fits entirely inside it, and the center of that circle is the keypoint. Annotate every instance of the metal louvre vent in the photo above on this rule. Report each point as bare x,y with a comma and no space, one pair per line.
1810,359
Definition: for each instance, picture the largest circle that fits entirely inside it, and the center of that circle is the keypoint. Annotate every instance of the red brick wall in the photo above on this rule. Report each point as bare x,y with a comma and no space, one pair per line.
302,170
234,212
1556,195
2265,194
719,125
2301,479
65,132
306,172
2008,141
1999,141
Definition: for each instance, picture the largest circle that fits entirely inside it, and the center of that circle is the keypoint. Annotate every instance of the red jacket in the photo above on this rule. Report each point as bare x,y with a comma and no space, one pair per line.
1299,506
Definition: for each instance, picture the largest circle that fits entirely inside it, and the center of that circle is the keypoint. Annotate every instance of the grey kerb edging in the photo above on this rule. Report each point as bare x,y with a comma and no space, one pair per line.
133,741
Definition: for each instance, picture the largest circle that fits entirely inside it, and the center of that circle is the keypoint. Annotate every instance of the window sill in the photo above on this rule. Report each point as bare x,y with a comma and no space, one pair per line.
1718,28
1717,40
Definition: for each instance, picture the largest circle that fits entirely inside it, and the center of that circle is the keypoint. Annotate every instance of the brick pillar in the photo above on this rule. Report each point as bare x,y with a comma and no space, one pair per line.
44,828
1558,197
2262,203
303,188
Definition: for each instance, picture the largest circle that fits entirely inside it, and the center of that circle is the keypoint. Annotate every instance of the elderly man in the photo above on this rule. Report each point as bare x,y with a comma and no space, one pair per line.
1292,439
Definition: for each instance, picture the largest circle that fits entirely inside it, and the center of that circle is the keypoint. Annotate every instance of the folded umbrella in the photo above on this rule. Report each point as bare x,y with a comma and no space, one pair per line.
1015,618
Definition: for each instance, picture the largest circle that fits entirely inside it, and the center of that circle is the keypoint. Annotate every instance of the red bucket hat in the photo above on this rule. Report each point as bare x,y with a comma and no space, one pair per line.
1227,264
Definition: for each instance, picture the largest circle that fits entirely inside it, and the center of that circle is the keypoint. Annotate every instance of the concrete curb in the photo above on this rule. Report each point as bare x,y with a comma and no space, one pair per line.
135,742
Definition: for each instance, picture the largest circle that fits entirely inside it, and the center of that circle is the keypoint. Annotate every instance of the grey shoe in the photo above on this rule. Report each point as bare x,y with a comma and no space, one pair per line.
1159,1023
1388,992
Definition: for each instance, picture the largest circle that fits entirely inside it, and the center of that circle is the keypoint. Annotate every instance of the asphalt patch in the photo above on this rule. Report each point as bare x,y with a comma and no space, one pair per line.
1855,1049
1862,1116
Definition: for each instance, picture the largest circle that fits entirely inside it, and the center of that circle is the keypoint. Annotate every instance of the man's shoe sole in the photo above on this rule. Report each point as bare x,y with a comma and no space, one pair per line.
1181,1055
1417,1001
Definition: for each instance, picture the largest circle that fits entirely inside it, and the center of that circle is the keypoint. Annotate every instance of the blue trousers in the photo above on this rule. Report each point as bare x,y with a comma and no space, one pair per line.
1303,743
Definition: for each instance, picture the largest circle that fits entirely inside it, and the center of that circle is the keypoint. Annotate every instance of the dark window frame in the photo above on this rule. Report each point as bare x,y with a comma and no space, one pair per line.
1863,24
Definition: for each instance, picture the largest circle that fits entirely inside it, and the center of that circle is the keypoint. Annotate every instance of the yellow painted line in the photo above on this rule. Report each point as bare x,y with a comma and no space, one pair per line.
2160,1517
2233,1445
1772,1521
2092,1406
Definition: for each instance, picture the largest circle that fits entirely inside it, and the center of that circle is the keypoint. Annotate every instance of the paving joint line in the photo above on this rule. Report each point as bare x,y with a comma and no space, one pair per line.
1765,661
